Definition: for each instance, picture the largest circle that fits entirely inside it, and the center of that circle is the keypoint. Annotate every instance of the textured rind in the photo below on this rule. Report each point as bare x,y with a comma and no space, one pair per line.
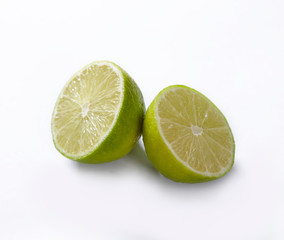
127,129
161,156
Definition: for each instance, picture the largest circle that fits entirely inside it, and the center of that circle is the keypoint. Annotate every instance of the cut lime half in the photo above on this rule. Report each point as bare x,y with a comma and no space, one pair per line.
186,136
98,115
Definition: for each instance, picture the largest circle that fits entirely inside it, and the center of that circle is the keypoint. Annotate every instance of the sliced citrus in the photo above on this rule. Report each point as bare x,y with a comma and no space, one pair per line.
186,136
98,115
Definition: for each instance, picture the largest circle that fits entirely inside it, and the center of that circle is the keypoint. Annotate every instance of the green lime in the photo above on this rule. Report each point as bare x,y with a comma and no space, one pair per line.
98,115
186,136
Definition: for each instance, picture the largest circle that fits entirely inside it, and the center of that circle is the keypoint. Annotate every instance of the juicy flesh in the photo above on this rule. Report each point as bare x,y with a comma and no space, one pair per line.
195,131
86,110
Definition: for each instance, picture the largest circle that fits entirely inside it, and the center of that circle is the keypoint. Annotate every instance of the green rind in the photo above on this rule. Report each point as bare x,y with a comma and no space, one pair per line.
127,129
162,157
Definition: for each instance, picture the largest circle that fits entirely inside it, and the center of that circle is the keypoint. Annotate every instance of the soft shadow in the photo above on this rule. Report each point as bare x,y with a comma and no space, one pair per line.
137,159
113,167
200,187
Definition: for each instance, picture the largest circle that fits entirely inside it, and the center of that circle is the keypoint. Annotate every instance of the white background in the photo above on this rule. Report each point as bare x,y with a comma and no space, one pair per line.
231,51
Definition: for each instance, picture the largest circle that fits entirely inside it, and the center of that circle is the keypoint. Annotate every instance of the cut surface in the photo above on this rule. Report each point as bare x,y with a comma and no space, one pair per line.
195,131
86,109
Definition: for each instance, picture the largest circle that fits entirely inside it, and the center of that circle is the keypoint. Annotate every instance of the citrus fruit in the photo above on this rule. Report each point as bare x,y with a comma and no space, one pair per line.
98,114
186,136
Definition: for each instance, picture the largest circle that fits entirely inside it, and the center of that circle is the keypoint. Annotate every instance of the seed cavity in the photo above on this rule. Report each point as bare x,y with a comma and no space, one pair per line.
197,131
85,109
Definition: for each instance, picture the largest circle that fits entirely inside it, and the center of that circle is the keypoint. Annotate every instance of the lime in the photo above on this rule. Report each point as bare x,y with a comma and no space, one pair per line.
186,136
98,115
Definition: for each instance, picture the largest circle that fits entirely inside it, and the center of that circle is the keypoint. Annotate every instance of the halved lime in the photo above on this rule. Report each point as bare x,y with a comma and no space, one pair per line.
186,136
98,115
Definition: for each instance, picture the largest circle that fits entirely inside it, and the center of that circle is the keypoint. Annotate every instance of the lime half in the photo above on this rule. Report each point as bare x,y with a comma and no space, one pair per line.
186,136
98,115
